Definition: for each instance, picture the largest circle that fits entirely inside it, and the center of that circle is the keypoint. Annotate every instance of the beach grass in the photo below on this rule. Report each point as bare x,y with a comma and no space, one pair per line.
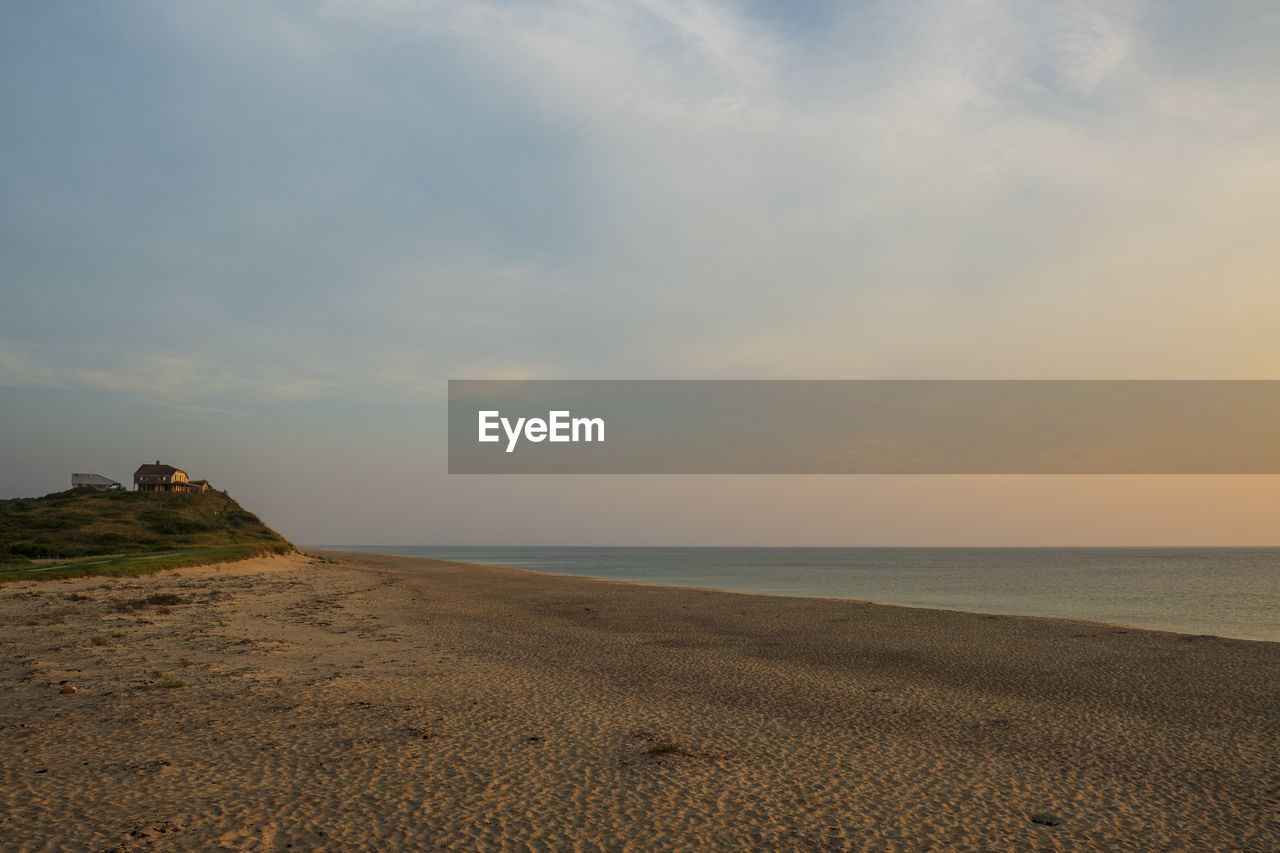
120,565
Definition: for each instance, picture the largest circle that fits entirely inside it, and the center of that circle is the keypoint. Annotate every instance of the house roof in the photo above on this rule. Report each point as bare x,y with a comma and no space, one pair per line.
92,479
157,470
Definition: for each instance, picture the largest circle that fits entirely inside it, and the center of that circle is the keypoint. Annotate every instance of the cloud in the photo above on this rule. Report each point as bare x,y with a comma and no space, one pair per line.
365,198
178,380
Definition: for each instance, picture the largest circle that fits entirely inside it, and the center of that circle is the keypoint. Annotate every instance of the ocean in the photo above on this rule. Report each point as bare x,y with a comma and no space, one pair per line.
1228,592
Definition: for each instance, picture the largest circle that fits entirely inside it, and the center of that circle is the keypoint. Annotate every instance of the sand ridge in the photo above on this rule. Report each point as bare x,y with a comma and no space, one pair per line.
386,703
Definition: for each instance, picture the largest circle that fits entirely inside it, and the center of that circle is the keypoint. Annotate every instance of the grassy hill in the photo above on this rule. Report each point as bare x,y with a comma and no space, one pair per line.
91,532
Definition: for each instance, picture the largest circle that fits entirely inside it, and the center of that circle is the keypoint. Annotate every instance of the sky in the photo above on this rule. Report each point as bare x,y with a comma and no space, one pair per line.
255,240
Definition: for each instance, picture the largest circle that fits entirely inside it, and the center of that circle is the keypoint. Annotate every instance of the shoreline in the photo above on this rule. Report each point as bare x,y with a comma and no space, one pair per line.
383,702
877,602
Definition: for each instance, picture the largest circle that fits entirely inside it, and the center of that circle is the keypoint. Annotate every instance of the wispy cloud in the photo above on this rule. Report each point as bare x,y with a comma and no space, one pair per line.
178,380
346,198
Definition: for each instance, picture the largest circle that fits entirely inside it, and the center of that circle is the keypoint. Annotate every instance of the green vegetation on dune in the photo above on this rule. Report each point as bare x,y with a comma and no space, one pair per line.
135,564
89,532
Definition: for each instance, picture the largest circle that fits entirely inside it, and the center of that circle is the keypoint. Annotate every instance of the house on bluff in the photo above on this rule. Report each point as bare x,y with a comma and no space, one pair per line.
166,478
93,481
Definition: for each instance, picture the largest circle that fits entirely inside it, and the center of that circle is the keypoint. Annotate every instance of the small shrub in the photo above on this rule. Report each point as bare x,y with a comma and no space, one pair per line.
58,617
168,682
161,600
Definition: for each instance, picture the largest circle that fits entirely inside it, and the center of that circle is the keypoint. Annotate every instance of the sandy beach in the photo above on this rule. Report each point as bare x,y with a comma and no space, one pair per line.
366,702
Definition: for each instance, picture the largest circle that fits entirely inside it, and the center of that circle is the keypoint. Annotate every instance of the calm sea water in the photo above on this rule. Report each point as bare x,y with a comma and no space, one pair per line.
1230,592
